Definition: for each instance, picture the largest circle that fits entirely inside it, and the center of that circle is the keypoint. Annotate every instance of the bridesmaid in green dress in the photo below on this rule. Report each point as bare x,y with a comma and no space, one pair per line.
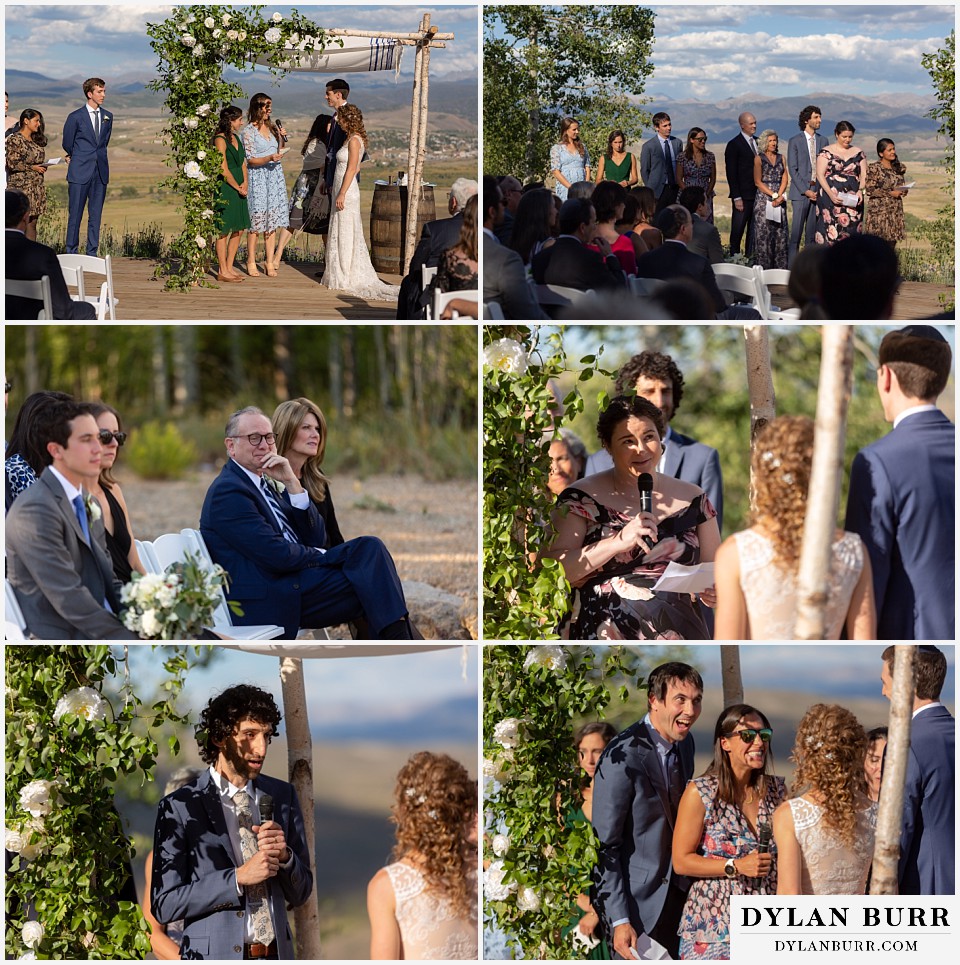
232,213
618,164
589,740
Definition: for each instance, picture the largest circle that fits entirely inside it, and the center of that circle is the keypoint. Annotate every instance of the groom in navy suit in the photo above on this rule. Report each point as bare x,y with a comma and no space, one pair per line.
86,134
929,804
902,496
221,866
272,542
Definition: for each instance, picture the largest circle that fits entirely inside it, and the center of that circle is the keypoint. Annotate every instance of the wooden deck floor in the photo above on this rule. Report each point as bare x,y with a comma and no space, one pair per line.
295,294
915,300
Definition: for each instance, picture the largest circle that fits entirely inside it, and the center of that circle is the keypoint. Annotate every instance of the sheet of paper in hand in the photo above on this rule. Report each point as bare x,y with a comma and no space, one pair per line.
677,578
847,199
774,214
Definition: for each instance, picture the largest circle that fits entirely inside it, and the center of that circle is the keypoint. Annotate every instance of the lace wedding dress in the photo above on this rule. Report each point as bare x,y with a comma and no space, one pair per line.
429,929
348,266
829,866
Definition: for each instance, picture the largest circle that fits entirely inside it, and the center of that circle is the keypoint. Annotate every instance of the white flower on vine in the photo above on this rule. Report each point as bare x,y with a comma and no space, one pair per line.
191,169
201,155
272,35
225,19
190,123
207,214
242,35
506,355
195,74
552,657
35,797
188,40
31,933
83,702
494,886
216,33
232,35
209,23
198,50
203,110
500,844
528,900
277,18
191,19
294,39
507,732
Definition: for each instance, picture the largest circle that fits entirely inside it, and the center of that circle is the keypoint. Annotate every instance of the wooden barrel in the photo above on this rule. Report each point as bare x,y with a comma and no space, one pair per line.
388,218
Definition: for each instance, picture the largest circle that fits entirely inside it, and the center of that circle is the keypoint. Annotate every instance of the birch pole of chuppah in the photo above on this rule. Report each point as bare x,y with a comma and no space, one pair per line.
300,761
730,673
418,138
763,398
886,852
823,499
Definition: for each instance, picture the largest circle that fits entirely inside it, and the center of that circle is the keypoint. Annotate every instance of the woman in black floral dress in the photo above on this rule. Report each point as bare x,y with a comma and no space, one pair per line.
613,554
841,170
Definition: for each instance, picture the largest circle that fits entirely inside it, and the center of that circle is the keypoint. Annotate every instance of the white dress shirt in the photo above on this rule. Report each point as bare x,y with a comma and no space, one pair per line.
913,410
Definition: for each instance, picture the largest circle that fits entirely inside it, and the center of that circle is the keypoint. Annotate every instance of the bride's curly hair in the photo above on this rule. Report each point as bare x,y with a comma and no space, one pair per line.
829,751
780,469
435,802
350,119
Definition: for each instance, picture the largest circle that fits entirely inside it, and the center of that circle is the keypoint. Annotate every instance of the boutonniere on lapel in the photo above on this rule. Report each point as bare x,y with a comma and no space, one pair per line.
106,118
93,507
275,484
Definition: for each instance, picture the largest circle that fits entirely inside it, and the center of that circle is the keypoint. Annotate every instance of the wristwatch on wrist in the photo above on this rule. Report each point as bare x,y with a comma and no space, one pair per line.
729,868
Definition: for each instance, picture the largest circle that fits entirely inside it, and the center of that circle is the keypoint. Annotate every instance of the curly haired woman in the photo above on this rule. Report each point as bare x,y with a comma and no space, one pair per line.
756,569
825,833
424,905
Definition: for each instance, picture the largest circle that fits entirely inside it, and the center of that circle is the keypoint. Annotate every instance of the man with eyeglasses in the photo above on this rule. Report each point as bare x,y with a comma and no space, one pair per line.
259,524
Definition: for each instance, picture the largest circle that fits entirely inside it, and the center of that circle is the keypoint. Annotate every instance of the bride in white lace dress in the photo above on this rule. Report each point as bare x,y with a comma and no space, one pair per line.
756,569
348,266
825,835
423,906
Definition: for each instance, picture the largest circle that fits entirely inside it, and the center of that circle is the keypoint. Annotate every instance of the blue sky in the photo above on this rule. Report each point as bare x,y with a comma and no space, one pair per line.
110,40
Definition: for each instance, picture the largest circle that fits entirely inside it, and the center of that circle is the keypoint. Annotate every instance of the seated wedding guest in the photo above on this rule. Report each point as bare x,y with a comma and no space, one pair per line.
617,163
873,762
626,222
459,267
613,553
512,191
568,459
697,167
25,165
535,227
232,213
757,567
608,201
770,178
859,279
723,821
646,216
569,159
423,906
106,490
271,543
683,298
165,939
706,237
267,190
885,189
28,260
805,283
824,833
25,456
57,560
579,190
841,169
589,742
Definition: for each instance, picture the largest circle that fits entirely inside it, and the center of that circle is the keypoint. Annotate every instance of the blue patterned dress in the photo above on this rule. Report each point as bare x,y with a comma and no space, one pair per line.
267,191
572,166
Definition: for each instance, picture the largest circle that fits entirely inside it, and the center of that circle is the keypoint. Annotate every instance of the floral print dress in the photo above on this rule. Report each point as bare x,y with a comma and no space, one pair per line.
617,602
705,926
834,223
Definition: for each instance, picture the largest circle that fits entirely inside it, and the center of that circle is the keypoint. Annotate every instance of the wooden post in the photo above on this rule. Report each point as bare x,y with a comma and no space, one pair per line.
833,394
300,761
763,399
418,141
730,673
886,853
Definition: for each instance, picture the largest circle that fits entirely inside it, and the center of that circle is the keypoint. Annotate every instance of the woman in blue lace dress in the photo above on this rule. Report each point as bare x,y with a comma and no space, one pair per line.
569,160
266,189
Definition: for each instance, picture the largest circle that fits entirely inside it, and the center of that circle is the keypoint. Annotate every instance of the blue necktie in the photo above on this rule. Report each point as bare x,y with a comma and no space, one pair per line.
668,161
81,512
288,533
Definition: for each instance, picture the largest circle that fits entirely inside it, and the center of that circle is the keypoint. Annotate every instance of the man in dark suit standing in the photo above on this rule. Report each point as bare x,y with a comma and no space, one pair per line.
221,865
636,791
902,494
802,151
86,134
658,161
738,157
259,524
337,92
30,261
929,801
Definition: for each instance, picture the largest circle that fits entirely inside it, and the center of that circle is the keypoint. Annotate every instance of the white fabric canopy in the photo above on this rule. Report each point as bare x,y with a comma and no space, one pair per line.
357,55
307,650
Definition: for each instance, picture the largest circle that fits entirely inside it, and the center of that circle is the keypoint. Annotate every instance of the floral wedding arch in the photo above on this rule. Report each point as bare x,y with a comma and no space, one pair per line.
196,44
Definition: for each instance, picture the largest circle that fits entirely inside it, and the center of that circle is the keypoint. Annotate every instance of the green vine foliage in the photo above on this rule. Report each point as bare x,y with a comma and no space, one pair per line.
523,599
71,862
533,697
194,46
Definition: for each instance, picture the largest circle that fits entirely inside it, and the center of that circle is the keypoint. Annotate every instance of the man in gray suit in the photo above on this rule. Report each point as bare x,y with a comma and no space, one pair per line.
658,161
802,151
636,791
57,559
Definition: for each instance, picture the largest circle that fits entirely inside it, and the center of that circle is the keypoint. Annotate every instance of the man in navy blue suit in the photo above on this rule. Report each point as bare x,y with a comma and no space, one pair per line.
219,864
929,802
902,495
259,524
86,134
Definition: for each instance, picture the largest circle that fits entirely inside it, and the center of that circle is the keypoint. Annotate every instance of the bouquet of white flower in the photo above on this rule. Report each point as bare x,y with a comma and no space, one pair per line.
175,605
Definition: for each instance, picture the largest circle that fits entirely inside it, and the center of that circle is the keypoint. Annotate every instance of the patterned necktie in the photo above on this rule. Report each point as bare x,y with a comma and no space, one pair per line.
96,123
258,905
813,157
668,162
273,500
674,779
753,144
81,512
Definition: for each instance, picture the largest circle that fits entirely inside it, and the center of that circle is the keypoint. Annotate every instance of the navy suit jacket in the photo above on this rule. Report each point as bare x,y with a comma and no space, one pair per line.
88,155
738,162
569,263
194,870
631,815
245,539
929,807
902,505
672,260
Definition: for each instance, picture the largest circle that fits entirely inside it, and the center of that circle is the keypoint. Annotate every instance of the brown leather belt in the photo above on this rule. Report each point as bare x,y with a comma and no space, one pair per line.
259,950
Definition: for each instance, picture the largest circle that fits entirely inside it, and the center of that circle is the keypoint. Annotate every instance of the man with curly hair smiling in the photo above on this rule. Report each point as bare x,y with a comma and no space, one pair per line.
221,865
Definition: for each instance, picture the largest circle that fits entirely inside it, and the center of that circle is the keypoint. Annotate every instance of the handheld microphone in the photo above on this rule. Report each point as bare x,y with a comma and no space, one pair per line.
266,808
645,488
764,834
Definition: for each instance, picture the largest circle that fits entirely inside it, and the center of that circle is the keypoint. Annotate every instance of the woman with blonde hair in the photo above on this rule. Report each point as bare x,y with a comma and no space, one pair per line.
756,569
423,906
825,833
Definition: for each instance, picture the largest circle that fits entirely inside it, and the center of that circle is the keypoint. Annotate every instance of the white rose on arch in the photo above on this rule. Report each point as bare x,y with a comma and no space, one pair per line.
83,702
507,732
209,23
201,155
31,933
551,656
203,110
192,170
242,35
198,50
506,355
35,797
188,40
225,20
500,844
217,33
528,899
232,35
278,18
272,35
494,887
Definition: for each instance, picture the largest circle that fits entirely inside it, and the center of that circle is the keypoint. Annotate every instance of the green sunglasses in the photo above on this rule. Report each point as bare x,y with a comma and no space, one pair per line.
748,735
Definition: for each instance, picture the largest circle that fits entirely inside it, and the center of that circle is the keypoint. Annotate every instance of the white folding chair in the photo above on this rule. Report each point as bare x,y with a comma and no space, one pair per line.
773,276
15,626
644,287
492,311
105,301
741,279
427,275
560,295
37,290
442,299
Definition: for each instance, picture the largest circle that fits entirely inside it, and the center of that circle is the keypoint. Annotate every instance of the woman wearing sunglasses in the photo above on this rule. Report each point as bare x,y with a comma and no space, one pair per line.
722,835
107,492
